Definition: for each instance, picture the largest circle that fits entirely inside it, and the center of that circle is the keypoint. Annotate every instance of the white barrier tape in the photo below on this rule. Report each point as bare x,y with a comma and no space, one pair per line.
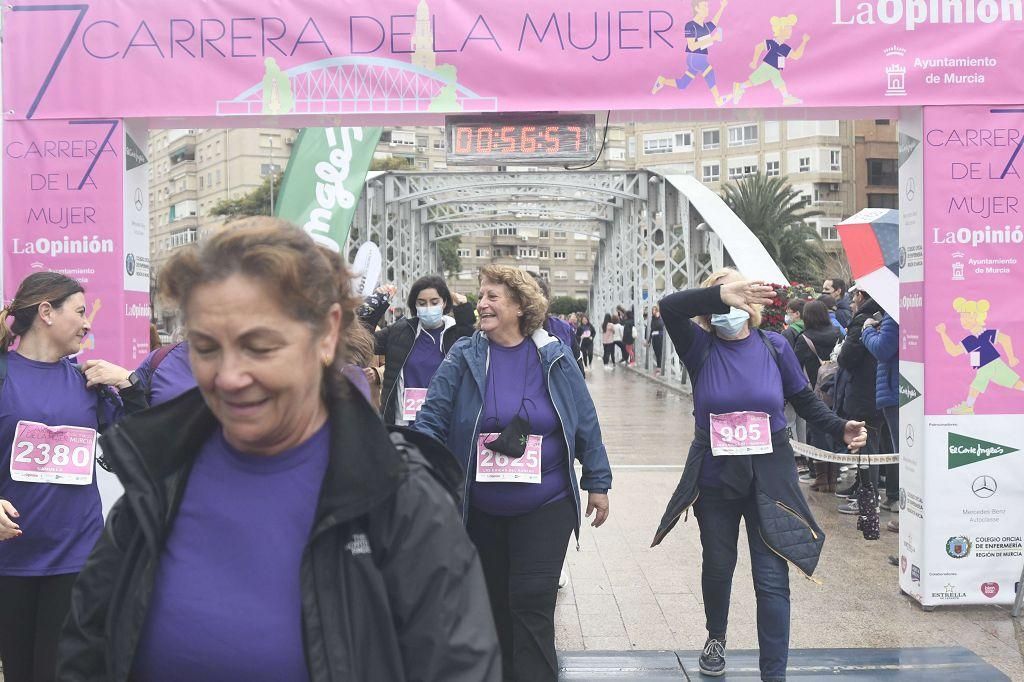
841,458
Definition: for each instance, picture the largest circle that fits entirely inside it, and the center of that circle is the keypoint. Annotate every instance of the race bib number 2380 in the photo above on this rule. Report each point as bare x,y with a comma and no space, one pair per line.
53,454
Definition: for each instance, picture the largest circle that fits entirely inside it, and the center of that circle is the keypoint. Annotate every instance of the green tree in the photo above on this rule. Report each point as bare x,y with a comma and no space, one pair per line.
776,214
256,202
448,255
391,163
564,305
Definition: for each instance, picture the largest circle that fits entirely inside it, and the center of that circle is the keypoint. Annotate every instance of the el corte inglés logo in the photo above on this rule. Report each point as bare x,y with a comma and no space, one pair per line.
964,450
907,392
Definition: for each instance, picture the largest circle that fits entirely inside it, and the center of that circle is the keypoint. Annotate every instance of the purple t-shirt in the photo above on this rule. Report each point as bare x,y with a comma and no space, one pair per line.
60,523
172,377
777,54
560,329
696,31
741,376
984,345
424,358
516,385
227,600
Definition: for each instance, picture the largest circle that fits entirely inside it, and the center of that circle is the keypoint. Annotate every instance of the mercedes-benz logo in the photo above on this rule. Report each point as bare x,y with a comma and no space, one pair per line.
138,198
911,188
910,435
984,486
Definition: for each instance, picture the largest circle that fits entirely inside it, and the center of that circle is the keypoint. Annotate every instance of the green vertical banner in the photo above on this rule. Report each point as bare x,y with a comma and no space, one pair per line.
324,179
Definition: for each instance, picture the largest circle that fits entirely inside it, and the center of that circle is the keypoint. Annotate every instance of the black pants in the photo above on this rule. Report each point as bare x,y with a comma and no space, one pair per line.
32,612
522,558
609,353
621,345
587,348
656,343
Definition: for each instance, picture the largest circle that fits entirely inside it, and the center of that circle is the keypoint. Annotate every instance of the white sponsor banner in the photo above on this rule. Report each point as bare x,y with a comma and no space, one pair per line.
136,208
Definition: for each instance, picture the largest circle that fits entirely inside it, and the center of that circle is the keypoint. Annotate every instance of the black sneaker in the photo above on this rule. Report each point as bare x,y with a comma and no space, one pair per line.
847,492
712,660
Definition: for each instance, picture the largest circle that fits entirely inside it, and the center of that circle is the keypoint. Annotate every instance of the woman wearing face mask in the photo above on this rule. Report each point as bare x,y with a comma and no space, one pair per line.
414,347
740,464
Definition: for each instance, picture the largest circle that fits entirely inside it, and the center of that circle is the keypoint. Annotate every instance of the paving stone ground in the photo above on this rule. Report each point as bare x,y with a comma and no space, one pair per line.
623,595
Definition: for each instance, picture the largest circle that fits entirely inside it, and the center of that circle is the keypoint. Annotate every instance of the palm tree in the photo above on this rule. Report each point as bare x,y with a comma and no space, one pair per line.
775,213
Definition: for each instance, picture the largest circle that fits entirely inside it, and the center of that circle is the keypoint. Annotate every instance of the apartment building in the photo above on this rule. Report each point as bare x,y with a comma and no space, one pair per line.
192,170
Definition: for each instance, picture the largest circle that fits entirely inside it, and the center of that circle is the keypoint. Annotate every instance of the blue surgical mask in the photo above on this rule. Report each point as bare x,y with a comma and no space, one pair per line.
430,316
788,319
730,324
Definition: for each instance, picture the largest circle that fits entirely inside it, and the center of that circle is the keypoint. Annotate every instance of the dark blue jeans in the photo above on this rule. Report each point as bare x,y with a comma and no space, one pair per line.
719,521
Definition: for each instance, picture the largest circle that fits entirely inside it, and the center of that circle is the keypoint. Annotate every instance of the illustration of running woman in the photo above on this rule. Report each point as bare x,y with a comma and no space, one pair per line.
775,51
700,35
980,346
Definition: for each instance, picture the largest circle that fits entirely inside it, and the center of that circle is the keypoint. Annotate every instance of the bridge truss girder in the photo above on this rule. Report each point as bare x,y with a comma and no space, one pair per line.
650,244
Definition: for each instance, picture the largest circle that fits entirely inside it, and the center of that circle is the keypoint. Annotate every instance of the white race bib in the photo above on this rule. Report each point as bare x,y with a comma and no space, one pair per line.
494,467
975,359
53,454
740,433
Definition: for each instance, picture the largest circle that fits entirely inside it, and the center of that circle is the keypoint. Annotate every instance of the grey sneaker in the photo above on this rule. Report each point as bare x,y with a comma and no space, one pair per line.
712,660
852,508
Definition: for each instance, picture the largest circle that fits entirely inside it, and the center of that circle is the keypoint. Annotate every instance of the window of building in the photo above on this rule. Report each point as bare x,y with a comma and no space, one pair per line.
439,143
482,253
527,252
559,234
581,276
631,147
828,230
743,135
711,172
463,253
615,154
209,179
218,178
883,172
560,255
660,143
883,201
506,231
881,121
181,238
201,184
582,255
804,164
544,234
269,168
834,160
683,141
711,139
771,168
739,168
268,141
771,131
404,139
561,275
544,253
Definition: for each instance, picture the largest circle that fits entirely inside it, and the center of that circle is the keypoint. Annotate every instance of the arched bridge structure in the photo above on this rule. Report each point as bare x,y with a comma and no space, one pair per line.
651,240
352,85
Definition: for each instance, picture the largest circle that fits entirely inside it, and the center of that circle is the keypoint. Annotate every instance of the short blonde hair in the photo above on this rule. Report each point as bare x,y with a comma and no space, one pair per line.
714,279
525,292
788,21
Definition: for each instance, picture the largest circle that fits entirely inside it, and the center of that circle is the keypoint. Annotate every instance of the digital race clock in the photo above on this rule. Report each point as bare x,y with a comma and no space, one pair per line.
532,139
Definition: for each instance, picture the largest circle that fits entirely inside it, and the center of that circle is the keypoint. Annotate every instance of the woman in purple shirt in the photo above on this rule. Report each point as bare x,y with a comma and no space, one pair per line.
271,528
49,503
740,463
514,408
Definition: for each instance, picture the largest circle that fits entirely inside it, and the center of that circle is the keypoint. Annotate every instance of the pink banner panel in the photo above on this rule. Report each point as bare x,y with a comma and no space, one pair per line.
156,59
63,212
974,259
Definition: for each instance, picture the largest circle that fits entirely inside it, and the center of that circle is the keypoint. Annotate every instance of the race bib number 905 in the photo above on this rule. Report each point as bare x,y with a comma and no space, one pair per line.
53,454
740,433
494,467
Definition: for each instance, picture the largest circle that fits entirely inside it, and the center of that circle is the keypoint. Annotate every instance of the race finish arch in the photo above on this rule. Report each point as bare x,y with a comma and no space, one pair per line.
83,82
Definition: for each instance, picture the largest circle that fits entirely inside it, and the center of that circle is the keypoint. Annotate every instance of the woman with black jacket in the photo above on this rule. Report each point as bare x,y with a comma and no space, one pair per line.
271,527
740,464
585,334
813,347
414,347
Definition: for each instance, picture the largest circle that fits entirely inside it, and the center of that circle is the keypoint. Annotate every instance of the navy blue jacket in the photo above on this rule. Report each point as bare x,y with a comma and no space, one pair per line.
451,412
883,342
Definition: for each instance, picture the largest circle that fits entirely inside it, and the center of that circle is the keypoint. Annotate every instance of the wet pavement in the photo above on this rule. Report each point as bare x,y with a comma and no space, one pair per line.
624,596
